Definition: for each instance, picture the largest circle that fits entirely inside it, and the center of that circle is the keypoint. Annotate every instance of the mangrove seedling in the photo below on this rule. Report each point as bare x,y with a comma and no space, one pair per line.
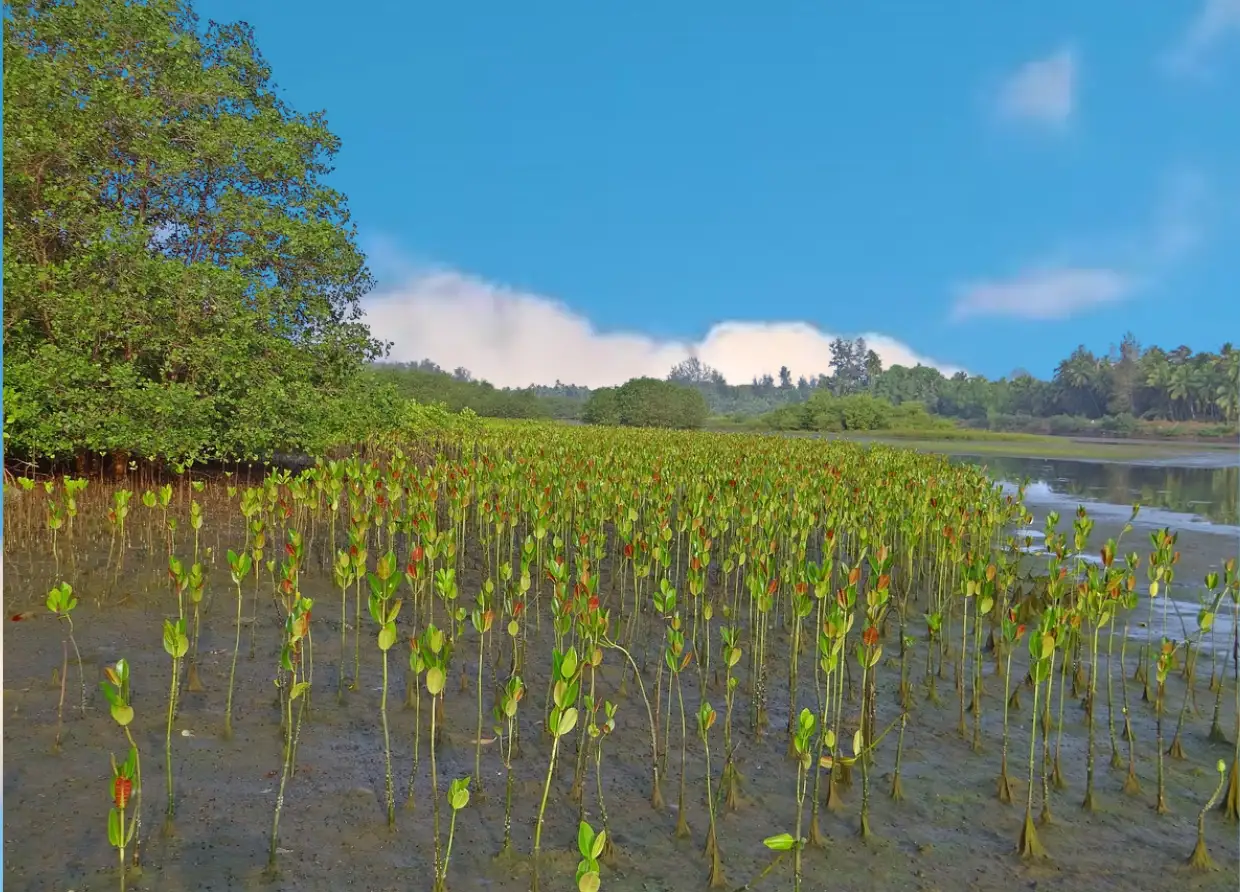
176,644
115,687
1041,651
599,732
1162,669
120,834
802,741
706,718
458,798
293,685
239,566
590,845
563,718
1011,632
61,601
506,712
384,583
1200,859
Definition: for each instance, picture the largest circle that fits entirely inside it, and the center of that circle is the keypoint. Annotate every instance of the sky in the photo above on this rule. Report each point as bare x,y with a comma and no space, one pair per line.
588,192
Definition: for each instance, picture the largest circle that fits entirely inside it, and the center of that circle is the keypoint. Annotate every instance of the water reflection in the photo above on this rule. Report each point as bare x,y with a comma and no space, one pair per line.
1211,494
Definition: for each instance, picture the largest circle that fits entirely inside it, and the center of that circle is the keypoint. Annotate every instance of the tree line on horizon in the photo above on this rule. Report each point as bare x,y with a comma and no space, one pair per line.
1117,390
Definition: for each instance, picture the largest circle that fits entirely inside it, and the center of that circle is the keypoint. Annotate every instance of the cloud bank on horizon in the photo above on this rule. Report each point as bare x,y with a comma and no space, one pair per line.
514,338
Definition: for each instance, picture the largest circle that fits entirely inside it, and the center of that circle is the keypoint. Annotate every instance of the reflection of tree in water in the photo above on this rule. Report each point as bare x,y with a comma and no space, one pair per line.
1209,493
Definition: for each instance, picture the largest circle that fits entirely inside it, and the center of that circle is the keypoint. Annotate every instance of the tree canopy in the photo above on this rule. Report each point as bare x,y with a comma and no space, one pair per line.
179,280
647,402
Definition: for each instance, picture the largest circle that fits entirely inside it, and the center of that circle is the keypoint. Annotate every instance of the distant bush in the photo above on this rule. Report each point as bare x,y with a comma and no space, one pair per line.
647,402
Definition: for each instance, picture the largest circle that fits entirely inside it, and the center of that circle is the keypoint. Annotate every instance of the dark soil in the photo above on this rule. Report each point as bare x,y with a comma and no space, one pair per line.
949,833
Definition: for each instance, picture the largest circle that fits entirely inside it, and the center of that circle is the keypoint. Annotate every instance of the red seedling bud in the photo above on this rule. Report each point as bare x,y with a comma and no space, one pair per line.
870,636
122,787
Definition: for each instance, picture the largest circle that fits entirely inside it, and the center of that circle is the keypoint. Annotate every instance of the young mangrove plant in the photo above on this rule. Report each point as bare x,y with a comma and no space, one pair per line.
458,798
293,686
176,644
239,566
121,834
1200,859
599,731
115,687
506,716
384,584
706,719
562,720
61,601
1011,632
1041,653
434,657
590,845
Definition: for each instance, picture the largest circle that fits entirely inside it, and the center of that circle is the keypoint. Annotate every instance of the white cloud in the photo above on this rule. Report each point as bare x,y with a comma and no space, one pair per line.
1042,294
1042,91
513,338
1099,272
1215,22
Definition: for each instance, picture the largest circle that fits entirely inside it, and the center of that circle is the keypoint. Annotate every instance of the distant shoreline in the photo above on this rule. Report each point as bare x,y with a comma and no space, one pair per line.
1200,454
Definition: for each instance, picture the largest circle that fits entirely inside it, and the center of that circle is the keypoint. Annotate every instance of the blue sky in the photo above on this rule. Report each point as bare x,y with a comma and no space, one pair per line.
587,191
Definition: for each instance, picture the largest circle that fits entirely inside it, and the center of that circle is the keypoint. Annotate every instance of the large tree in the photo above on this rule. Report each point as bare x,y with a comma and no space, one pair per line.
179,281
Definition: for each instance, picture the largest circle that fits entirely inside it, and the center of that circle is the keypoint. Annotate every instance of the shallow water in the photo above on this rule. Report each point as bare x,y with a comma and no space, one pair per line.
1200,503
1170,495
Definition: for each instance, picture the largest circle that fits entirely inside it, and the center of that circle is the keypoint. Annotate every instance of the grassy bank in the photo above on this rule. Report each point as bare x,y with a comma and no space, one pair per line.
978,442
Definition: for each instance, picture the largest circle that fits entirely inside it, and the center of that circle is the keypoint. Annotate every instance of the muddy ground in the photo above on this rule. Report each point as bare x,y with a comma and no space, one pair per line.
949,833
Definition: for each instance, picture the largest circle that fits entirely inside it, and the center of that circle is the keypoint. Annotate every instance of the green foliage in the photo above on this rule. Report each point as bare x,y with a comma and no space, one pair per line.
179,282
648,402
428,384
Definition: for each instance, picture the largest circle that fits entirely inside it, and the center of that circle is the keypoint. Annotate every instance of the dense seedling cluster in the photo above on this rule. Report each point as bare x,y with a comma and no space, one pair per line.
821,595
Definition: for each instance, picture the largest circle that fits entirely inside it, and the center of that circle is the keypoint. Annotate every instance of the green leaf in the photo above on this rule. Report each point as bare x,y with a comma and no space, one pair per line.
783,842
298,689
387,636
585,840
567,722
121,714
434,681
116,828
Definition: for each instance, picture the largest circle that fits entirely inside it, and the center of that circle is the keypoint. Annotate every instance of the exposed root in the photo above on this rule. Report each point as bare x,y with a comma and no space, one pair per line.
1200,860
1005,787
716,879
1014,700
1057,777
1030,847
897,789
1230,805
682,825
845,773
835,798
1216,733
1176,750
192,681
1132,784
816,837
